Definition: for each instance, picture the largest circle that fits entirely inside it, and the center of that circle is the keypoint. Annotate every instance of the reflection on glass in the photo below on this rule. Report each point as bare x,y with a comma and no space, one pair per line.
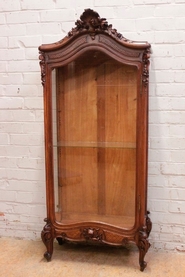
95,142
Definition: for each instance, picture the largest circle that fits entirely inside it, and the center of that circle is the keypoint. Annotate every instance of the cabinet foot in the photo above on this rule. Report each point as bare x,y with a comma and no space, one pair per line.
143,248
143,245
60,241
47,256
143,264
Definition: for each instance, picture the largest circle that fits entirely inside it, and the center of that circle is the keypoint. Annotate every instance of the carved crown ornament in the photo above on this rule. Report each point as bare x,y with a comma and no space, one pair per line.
90,21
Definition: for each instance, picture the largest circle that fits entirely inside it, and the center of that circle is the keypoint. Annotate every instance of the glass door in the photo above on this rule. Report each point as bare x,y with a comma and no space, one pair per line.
94,124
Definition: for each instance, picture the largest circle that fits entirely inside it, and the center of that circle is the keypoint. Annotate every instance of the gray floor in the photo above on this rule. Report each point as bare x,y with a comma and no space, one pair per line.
25,258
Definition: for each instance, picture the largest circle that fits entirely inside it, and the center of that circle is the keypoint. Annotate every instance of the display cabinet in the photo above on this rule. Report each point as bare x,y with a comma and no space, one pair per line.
95,85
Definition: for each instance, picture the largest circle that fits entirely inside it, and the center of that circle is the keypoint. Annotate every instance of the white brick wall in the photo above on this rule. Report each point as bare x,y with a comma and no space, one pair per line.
24,25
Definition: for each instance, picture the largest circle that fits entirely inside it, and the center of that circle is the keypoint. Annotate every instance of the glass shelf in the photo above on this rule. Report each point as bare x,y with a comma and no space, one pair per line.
94,144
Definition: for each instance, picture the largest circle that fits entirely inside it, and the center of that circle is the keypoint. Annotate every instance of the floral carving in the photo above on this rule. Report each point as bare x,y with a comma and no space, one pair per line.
145,75
90,21
42,66
93,234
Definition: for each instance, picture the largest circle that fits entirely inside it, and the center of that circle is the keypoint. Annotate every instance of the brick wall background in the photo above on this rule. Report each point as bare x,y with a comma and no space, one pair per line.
24,25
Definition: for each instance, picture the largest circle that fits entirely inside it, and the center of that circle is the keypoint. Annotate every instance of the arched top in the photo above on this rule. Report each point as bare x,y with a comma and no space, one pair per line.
93,33
92,24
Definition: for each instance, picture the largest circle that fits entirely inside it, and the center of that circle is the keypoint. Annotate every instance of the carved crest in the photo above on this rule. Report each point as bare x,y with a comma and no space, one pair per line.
90,21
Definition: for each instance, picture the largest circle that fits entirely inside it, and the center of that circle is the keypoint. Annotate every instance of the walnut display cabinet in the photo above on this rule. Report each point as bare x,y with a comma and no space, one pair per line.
95,85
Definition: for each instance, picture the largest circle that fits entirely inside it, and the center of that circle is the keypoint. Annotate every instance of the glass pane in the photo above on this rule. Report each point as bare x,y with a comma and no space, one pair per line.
95,145
55,150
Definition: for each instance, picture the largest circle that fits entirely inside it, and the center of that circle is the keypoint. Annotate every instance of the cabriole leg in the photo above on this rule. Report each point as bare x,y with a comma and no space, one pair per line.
143,246
47,239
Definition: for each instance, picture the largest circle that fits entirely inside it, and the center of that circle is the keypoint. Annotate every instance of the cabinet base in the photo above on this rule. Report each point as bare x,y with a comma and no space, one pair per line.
97,233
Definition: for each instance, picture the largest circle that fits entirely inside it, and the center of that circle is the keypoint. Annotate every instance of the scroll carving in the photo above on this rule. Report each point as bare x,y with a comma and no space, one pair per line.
42,67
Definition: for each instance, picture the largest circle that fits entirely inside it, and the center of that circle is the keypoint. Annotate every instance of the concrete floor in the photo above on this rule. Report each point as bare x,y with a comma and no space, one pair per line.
20,258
